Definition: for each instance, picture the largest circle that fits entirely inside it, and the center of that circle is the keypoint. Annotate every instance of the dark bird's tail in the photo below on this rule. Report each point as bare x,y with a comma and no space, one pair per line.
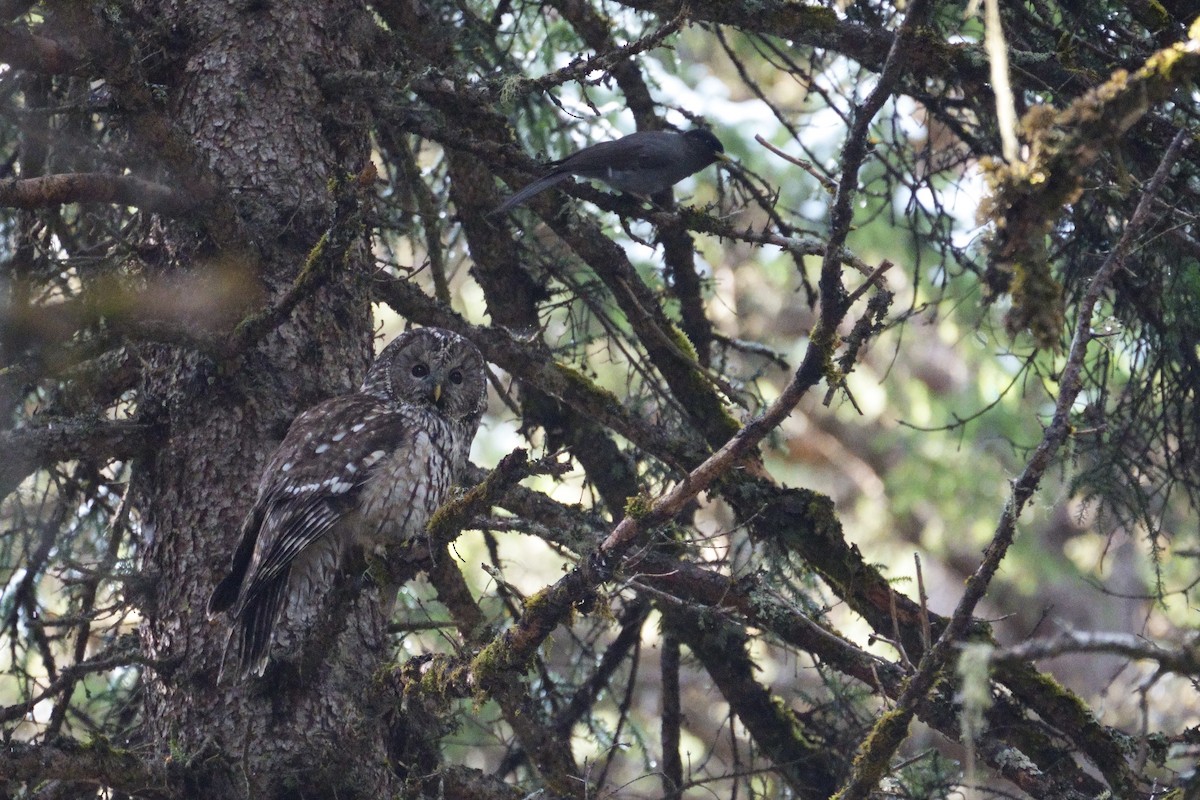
538,186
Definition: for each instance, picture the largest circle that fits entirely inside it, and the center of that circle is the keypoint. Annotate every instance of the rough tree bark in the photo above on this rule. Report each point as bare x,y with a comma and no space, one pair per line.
243,92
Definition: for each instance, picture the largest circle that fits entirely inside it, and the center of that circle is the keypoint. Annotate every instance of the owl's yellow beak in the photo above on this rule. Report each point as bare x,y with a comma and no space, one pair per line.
437,393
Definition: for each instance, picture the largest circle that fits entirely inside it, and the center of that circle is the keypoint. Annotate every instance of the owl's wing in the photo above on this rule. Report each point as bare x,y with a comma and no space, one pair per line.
311,482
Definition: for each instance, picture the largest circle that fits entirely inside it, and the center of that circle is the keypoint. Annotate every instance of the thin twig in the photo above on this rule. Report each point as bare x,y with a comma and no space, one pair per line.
802,163
1183,660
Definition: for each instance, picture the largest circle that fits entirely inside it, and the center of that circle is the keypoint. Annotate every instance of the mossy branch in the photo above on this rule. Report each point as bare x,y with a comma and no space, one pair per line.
87,767
808,767
1027,198
332,249
666,345
452,515
101,440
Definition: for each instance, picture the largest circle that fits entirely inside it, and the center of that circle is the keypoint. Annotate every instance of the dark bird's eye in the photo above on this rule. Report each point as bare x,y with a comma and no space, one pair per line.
420,370
456,376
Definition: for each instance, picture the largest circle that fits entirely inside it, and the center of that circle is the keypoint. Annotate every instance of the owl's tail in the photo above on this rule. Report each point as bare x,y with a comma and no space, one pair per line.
253,625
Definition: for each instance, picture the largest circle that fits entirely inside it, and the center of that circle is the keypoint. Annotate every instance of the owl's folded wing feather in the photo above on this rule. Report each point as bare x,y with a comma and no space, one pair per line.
314,478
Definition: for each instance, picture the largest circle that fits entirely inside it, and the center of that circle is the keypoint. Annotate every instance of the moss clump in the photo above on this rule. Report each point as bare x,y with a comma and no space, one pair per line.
639,506
889,730
681,341
434,681
586,386
1027,199
719,424
441,677
493,660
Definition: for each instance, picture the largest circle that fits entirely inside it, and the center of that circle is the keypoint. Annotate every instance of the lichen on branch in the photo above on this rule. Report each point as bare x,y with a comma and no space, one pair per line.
1027,198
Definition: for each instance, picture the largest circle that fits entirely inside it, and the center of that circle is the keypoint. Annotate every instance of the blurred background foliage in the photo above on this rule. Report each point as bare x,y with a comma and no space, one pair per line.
945,405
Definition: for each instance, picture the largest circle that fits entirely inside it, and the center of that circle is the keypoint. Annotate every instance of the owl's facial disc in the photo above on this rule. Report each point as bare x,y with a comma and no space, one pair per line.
433,369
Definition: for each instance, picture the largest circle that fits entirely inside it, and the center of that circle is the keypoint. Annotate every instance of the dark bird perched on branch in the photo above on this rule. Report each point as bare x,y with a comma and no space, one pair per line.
642,164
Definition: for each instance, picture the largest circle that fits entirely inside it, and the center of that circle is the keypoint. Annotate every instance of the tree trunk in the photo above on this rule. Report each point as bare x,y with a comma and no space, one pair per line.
245,89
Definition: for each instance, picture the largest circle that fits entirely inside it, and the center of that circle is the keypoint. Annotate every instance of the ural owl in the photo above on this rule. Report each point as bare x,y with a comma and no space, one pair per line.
363,469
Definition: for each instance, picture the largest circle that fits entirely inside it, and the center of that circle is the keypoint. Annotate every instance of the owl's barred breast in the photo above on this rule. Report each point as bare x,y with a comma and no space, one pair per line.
404,490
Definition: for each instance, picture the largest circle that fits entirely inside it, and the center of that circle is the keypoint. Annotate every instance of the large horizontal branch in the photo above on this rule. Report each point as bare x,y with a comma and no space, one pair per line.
94,765
94,187
580,531
820,26
34,447
1180,660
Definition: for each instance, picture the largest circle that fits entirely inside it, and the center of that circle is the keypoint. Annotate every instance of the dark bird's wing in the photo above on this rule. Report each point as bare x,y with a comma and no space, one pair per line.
642,164
605,161
641,151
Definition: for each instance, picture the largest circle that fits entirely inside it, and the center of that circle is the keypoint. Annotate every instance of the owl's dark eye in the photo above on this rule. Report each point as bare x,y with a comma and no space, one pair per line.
456,376
420,370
